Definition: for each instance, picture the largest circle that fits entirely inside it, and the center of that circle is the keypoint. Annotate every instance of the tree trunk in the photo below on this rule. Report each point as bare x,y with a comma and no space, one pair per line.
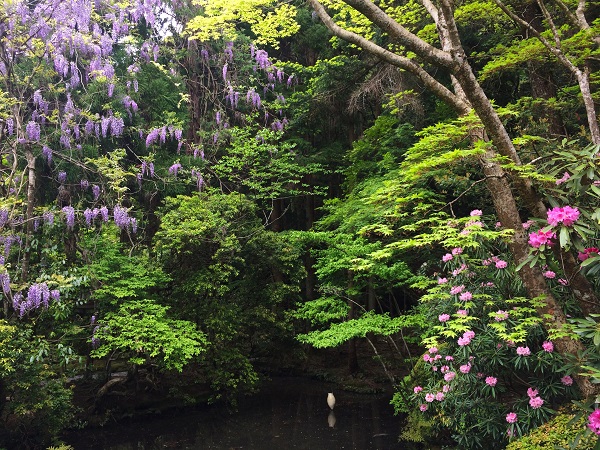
534,282
31,180
583,78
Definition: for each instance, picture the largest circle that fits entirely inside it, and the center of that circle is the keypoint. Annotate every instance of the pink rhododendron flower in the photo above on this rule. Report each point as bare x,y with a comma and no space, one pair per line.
565,215
469,334
426,357
532,392
536,402
456,289
465,368
594,422
442,280
549,274
449,376
462,312
457,251
501,264
511,417
540,238
523,351
445,388
566,380
548,346
491,381
527,225
447,257
462,341
429,397
564,178
563,281
459,270
433,350
444,317
423,407
449,358
466,296
417,389
476,213
439,396
501,315
587,253
444,369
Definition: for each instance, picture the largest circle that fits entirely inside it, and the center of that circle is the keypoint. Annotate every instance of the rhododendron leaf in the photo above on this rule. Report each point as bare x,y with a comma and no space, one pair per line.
564,237
589,261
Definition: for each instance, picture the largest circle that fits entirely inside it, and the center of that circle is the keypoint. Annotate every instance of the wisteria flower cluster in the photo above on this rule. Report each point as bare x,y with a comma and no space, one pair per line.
38,295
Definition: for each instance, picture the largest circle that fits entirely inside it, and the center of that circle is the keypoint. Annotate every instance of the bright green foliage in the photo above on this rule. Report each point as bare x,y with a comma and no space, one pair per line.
339,333
110,168
114,275
262,166
269,22
142,329
380,149
566,430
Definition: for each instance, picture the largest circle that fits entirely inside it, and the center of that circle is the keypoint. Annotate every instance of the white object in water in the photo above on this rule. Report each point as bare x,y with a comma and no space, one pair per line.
330,400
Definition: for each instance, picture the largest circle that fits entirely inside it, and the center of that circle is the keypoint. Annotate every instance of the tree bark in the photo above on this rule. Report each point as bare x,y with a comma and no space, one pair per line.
31,180
506,209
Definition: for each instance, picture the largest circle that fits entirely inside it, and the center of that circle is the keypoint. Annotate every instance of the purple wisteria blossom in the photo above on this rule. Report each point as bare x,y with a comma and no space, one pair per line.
121,217
33,131
70,216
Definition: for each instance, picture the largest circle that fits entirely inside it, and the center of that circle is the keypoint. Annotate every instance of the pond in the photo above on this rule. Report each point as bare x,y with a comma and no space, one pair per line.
288,413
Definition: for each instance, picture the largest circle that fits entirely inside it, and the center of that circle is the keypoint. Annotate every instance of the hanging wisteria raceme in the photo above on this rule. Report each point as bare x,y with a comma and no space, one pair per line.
38,295
123,220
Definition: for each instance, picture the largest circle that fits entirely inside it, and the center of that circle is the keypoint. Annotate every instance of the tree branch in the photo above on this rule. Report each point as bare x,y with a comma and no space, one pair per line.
392,58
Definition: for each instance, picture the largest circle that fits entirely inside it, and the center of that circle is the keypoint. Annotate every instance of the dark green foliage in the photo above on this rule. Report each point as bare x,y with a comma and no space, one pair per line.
35,401
230,277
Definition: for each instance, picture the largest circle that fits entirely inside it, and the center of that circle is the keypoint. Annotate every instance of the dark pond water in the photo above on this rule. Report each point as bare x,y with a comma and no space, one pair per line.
289,413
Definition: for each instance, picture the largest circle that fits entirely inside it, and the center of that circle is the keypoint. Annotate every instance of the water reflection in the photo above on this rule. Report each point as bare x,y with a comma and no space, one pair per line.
289,413
331,419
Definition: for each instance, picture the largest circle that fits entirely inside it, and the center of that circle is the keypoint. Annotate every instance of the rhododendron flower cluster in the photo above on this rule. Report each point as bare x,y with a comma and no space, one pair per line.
456,289
540,238
548,346
491,381
566,215
588,253
566,380
594,422
466,338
